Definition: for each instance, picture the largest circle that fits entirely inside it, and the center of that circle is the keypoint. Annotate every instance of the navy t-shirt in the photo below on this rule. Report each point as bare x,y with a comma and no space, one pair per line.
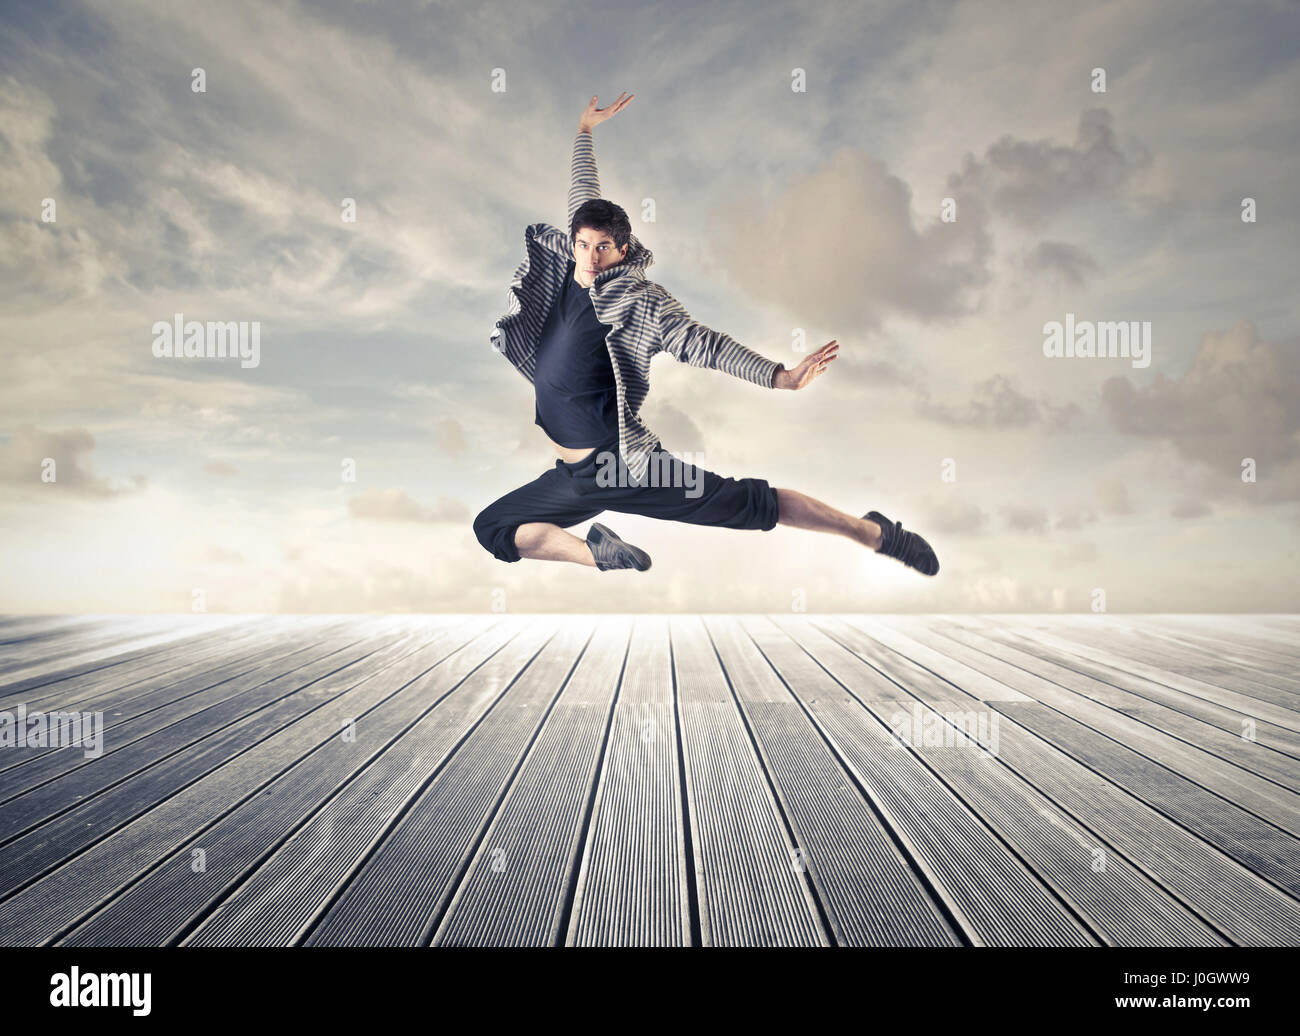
577,403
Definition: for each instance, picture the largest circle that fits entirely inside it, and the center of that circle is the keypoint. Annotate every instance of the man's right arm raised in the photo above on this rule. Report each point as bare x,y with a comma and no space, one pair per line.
584,183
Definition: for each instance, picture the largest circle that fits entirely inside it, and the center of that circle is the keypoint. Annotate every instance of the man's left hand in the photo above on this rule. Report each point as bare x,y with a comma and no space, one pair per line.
812,365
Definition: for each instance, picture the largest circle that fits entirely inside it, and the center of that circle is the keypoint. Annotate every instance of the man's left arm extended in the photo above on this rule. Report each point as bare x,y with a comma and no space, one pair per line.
691,342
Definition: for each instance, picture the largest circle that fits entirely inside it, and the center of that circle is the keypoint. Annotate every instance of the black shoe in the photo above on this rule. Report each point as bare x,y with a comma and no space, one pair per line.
907,547
611,552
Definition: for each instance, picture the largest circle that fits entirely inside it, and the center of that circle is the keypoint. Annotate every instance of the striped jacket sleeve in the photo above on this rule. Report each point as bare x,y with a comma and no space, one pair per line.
691,342
584,183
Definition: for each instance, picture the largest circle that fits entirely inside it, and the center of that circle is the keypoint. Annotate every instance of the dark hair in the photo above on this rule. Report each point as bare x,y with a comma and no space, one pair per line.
599,214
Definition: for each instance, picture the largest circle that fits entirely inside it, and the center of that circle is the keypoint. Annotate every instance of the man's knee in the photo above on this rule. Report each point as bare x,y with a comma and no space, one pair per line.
767,506
496,537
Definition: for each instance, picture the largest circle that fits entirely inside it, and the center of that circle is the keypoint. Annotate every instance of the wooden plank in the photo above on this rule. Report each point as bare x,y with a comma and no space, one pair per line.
176,634
515,891
1275,636
18,633
161,808
68,780
137,686
1269,852
1103,665
278,902
111,637
748,889
1269,770
1238,902
171,695
871,884
971,683
632,887
1262,798
1190,785
398,897
107,681
163,904
14,628
1140,647
1122,904
892,673
1142,691
1269,667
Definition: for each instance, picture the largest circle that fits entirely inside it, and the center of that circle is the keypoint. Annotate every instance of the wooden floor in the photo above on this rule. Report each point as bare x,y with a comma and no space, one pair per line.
744,780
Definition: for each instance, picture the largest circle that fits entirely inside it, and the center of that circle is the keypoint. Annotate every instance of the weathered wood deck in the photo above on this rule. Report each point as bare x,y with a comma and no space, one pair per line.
655,780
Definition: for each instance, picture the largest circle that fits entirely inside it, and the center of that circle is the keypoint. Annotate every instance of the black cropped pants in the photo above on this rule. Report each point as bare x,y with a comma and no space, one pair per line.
570,493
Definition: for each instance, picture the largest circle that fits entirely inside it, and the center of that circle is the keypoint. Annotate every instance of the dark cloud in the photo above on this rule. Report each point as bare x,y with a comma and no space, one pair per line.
996,403
23,458
1240,398
1030,181
1061,261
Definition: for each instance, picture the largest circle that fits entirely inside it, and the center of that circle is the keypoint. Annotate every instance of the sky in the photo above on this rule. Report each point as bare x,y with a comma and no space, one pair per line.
931,184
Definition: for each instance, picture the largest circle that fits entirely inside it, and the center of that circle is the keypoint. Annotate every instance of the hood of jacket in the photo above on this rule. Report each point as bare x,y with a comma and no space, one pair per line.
629,275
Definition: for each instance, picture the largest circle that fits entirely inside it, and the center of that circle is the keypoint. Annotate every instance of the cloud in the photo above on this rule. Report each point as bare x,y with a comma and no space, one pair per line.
997,404
1114,497
219,467
675,428
1085,551
841,242
1026,517
952,514
1061,261
216,555
1240,398
1031,181
1075,516
394,505
1189,509
450,436
23,460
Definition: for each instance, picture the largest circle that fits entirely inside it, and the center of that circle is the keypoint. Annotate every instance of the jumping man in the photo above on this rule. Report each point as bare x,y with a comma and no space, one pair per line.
582,326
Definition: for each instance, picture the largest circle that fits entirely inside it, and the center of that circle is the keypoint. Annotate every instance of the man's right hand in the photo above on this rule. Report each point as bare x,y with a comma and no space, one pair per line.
594,116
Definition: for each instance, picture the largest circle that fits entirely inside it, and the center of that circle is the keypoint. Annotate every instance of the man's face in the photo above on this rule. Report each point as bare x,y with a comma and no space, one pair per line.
593,253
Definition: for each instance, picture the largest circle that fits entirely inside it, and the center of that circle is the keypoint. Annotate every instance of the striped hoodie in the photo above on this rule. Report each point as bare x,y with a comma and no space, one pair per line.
644,318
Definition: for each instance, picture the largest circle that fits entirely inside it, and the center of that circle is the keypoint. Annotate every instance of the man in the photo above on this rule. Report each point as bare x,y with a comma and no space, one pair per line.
583,324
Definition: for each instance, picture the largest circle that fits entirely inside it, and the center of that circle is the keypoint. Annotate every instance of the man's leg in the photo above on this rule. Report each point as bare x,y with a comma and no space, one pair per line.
805,512
752,503
529,522
873,529
544,541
